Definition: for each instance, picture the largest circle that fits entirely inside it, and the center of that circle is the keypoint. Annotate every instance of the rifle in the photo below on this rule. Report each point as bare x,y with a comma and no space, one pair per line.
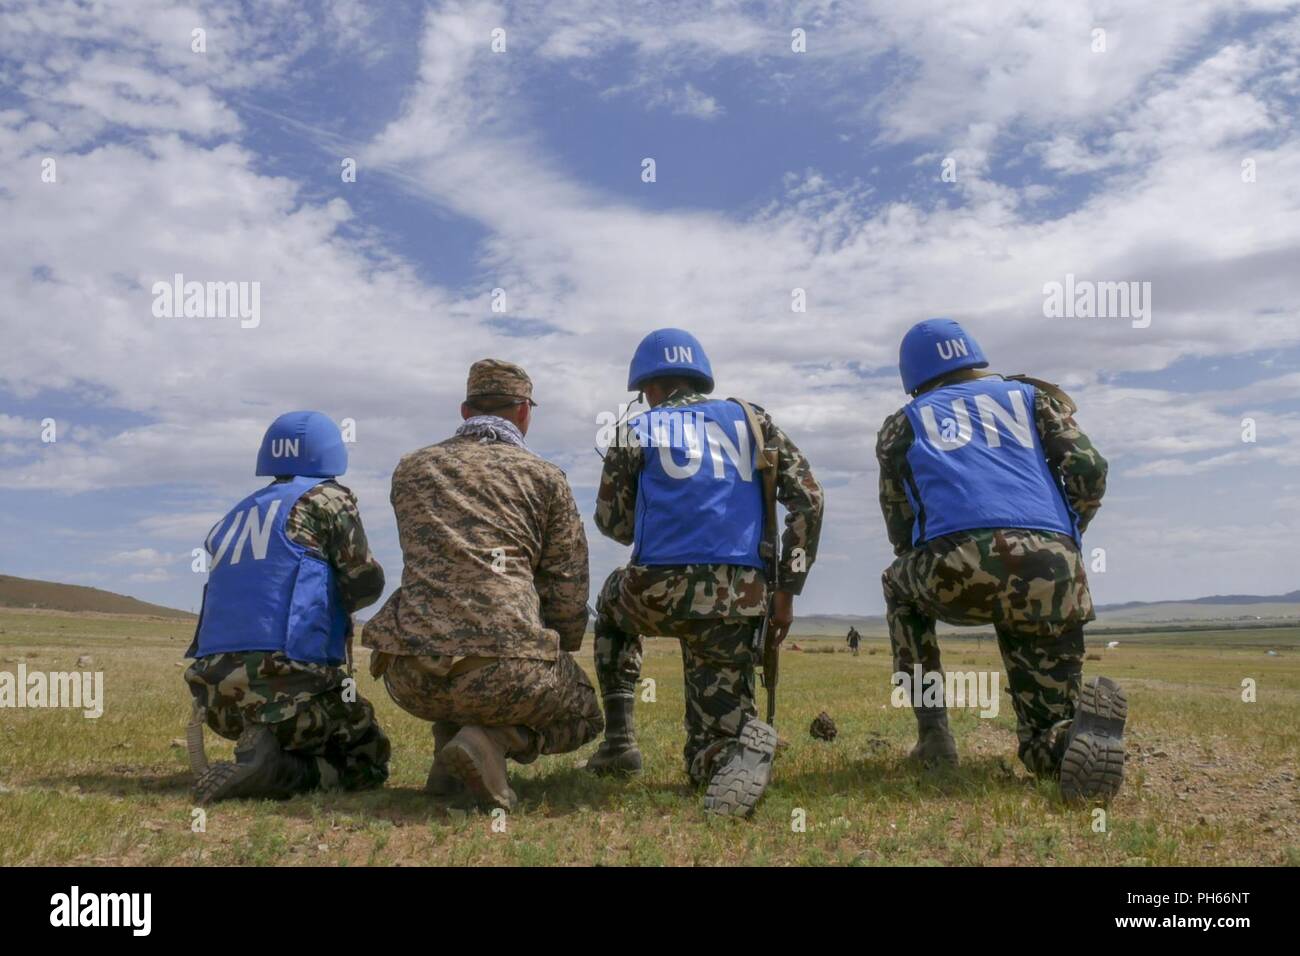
769,650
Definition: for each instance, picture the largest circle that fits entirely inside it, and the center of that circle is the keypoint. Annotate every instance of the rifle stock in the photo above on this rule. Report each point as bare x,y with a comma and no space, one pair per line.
771,664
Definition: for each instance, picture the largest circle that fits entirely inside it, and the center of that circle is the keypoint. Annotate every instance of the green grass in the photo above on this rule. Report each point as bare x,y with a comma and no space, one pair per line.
1211,780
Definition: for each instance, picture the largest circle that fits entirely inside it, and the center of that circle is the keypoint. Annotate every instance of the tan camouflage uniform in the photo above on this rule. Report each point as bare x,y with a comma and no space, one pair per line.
712,609
304,702
1030,585
494,587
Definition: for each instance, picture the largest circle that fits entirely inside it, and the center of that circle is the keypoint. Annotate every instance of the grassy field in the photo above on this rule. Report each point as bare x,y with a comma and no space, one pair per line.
1210,779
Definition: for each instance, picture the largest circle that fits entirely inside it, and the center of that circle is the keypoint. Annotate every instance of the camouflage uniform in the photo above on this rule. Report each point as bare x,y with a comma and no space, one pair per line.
1030,585
303,703
555,698
713,609
494,587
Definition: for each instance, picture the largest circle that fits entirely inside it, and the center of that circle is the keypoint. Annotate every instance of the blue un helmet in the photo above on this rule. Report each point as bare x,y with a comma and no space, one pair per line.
670,352
936,347
306,444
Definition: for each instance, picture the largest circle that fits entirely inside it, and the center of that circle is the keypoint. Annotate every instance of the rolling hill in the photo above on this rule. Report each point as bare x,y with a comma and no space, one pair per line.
48,595
1229,610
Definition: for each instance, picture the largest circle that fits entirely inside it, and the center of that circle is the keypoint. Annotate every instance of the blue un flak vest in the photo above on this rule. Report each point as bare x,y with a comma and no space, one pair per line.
699,497
266,592
976,462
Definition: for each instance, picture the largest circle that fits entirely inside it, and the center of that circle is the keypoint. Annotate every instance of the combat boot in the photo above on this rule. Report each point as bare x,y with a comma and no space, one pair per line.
262,769
617,753
1093,764
935,746
477,757
441,783
740,770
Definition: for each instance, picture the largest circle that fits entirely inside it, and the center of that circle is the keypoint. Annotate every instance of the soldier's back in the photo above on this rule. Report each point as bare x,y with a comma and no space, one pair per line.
472,520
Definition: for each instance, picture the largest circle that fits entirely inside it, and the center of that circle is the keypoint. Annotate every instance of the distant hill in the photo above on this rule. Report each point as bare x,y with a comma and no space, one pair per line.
1234,609
1228,609
27,593
836,624
1291,597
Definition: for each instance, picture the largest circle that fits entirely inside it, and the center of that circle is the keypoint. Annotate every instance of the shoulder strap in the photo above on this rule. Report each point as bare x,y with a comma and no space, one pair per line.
765,458
1053,390
766,461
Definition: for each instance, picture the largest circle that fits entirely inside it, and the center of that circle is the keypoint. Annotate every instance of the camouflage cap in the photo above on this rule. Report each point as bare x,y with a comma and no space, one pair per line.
495,377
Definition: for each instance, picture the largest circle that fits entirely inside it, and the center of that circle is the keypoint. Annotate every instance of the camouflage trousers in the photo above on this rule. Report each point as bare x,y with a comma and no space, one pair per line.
305,705
554,699
717,662
1032,588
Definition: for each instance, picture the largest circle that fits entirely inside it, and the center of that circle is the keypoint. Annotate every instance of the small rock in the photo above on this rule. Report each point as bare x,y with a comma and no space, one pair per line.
322,847
823,727
85,660
178,742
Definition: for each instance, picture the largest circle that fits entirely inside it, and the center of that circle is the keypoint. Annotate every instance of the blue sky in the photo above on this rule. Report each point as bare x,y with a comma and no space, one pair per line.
521,170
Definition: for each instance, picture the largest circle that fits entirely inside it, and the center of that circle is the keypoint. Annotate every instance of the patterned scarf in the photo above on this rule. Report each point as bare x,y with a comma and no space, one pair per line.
492,428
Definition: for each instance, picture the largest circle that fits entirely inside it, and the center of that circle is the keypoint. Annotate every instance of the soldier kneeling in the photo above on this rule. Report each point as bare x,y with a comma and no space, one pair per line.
288,565
479,639
682,486
987,485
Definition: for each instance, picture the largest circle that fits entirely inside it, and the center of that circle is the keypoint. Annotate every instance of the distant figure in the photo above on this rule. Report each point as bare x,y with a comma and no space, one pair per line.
288,566
987,485
854,639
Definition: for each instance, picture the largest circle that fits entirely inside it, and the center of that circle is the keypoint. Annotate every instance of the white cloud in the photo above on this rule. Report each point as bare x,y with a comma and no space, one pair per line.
140,558
11,426
156,576
389,349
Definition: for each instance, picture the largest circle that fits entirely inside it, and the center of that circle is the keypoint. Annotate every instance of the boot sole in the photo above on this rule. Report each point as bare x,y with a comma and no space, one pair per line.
625,764
461,764
1093,765
735,789
219,782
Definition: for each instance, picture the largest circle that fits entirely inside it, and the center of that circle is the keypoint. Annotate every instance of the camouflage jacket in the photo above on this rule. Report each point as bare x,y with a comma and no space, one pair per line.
495,556
715,590
326,520
1072,458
